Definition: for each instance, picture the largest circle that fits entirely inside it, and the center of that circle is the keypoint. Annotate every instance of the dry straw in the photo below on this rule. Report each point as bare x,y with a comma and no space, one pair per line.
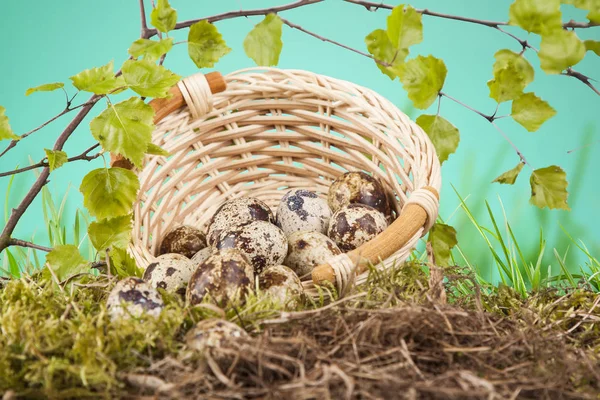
272,130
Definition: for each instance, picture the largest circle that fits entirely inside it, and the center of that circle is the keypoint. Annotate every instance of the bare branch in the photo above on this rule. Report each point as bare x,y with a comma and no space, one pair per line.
324,39
521,156
23,243
237,14
581,77
44,163
490,118
143,20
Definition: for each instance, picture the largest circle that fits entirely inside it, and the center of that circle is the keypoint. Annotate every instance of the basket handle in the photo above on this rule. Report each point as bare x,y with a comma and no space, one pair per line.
414,216
177,99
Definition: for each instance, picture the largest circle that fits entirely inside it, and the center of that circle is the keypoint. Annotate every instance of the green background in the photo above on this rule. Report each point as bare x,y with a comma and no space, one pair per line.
45,42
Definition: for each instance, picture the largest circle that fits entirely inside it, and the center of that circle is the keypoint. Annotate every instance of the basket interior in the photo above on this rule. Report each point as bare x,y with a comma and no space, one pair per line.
269,133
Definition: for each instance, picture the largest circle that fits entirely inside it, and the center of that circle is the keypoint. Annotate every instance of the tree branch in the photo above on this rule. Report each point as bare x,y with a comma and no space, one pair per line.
44,162
582,78
237,14
23,243
17,213
143,20
324,39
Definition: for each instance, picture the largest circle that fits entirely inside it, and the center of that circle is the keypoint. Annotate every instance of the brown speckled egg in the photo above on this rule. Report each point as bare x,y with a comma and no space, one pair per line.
263,243
236,212
303,210
308,249
202,255
226,277
282,284
132,297
170,272
354,225
213,333
358,187
185,240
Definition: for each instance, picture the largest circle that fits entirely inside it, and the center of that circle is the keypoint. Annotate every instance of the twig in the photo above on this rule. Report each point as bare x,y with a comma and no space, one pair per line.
41,181
145,29
324,39
521,156
488,117
44,162
237,14
23,243
371,6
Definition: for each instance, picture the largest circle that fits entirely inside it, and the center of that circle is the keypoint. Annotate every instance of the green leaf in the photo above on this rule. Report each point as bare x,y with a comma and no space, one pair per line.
549,188
512,73
151,49
163,17
100,80
404,27
559,51
47,87
111,232
423,78
5,129
206,45
505,57
537,16
592,45
56,158
379,45
510,176
148,79
123,264
443,134
66,261
443,239
125,128
109,192
531,111
263,43
156,150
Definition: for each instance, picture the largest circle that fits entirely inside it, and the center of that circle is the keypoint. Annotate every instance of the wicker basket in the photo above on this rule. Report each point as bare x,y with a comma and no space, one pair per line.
271,130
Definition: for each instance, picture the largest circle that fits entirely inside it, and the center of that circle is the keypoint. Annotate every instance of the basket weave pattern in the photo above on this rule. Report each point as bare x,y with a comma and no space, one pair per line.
272,130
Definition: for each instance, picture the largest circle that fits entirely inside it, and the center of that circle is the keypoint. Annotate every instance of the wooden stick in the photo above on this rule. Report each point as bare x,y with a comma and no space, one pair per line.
411,219
164,107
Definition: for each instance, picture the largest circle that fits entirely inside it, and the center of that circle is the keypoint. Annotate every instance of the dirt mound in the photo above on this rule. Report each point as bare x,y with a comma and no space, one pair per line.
412,352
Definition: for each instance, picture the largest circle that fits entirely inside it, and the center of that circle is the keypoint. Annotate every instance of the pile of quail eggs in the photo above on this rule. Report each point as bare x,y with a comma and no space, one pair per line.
247,246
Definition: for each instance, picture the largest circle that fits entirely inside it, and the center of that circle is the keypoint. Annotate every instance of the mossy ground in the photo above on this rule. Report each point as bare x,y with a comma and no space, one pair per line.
388,338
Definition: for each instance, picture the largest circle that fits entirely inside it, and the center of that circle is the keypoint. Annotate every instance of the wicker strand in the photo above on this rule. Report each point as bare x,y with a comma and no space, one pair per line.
429,202
197,94
344,272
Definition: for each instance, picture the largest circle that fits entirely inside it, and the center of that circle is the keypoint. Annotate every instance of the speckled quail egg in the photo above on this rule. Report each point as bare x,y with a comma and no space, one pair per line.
354,225
226,277
282,284
263,243
213,333
303,210
202,255
170,272
131,297
185,240
308,249
358,187
236,212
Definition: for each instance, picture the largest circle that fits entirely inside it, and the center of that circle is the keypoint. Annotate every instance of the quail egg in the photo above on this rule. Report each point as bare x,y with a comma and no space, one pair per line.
358,187
263,243
202,255
226,277
303,210
185,240
282,284
170,272
308,249
213,333
354,225
131,297
236,212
